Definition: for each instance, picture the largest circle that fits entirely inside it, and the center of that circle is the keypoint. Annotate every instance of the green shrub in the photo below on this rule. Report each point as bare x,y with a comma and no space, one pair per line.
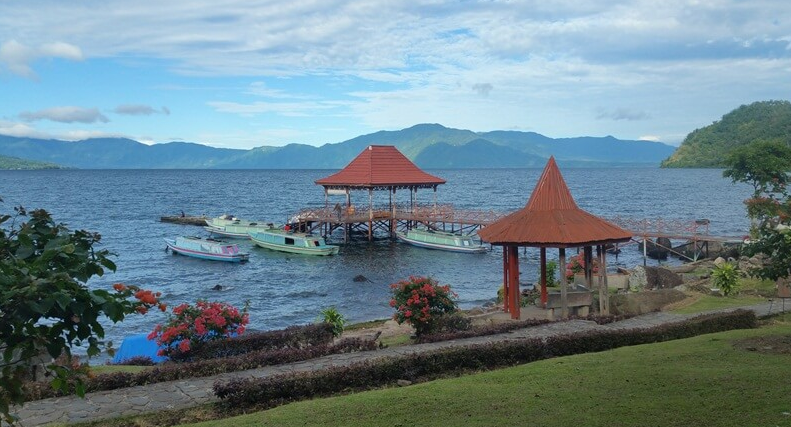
333,317
419,301
725,277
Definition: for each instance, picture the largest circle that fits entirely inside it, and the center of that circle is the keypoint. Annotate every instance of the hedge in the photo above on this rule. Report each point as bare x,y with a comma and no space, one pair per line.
170,371
276,390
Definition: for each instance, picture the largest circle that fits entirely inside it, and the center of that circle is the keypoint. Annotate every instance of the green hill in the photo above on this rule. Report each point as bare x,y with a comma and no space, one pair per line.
709,146
7,162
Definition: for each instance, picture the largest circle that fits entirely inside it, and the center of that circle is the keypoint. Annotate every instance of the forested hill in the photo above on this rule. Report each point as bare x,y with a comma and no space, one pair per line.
17,163
709,146
428,145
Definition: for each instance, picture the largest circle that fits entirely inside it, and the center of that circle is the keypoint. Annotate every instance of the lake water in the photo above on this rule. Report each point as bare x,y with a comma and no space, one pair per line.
282,289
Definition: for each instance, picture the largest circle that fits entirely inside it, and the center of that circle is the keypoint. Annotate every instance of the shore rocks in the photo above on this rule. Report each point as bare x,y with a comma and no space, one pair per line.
644,302
649,278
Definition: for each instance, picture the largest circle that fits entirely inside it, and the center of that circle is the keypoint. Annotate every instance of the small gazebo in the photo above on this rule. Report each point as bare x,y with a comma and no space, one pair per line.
552,219
379,167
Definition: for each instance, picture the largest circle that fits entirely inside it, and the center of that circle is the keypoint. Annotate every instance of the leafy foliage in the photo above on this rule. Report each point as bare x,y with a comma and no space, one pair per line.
725,277
765,121
419,301
189,327
333,317
45,305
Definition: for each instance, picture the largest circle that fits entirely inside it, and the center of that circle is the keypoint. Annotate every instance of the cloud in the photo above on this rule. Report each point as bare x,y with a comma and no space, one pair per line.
482,89
67,114
17,57
24,130
139,110
622,114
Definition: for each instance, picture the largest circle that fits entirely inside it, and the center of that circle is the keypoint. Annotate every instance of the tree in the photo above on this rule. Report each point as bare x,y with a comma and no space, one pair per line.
45,304
765,165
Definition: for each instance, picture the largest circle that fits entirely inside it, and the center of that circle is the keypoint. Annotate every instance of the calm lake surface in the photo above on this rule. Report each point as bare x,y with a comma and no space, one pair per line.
282,289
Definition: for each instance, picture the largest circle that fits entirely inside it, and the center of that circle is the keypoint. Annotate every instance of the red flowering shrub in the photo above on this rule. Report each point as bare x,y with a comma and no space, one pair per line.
576,264
419,301
190,326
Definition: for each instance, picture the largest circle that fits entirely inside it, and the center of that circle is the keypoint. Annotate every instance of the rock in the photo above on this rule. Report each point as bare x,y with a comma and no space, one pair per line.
719,261
658,250
637,279
403,383
661,278
217,288
644,302
360,278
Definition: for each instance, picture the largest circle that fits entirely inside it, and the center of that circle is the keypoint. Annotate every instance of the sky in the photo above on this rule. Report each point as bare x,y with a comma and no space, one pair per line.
251,73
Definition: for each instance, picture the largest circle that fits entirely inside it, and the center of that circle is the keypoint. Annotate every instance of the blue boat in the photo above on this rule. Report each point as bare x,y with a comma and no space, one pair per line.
282,240
210,249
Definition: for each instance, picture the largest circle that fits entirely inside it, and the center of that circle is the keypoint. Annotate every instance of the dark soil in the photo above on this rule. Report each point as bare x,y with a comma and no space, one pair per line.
772,344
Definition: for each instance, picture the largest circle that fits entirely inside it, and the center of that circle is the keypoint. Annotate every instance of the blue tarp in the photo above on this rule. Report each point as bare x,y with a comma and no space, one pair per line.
138,345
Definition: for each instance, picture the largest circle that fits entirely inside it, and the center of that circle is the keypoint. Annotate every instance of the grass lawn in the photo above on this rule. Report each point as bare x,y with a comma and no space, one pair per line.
108,369
711,302
701,381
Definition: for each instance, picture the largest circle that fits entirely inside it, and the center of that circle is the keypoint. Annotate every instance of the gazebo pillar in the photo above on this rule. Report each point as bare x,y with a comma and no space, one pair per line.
603,269
513,285
603,292
587,252
543,277
506,278
370,213
564,297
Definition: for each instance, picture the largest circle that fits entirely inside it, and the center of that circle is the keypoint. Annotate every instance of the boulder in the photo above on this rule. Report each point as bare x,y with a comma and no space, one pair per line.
719,261
655,250
653,278
644,302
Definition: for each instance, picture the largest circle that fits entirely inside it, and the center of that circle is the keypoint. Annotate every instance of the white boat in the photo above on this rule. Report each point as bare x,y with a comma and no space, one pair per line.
210,249
441,240
231,226
279,239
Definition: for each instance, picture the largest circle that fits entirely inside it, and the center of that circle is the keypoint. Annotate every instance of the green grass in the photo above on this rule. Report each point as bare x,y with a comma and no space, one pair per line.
711,302
108,369
697,381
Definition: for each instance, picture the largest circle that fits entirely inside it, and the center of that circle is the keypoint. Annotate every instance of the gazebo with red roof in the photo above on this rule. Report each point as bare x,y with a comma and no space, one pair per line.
552,219
378,167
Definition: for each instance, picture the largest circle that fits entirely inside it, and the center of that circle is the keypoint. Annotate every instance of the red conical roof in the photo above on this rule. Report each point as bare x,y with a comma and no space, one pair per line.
380,166
551,218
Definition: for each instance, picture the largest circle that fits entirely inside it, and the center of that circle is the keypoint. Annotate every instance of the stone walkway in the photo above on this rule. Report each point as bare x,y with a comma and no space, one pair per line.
196,391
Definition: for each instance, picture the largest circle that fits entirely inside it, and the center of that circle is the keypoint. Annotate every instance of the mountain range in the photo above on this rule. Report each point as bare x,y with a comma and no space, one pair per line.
428,145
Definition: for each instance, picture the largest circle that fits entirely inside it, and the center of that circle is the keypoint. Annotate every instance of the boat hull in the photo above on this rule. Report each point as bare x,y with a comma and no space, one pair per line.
222,232
265,240
441,247
238,257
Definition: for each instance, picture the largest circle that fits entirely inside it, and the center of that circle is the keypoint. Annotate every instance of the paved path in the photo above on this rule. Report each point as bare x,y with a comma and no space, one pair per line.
197,391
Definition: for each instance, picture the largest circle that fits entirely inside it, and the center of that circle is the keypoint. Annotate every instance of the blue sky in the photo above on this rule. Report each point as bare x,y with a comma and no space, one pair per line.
248,73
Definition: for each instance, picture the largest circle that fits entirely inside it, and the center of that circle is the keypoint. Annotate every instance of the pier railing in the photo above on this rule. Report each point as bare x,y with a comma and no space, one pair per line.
422,212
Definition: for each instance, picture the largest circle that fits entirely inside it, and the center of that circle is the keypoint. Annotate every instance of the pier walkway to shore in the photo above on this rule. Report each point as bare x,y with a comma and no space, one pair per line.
197,391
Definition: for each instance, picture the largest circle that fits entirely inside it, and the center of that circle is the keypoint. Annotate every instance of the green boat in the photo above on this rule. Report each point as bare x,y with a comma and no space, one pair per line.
431,239
282,240
231,226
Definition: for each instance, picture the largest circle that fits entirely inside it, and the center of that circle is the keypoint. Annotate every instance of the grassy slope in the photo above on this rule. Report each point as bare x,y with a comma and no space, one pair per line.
696,381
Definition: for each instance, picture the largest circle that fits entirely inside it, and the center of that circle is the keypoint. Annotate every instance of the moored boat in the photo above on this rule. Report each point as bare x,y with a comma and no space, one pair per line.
210,249
441,240
283,240
231,226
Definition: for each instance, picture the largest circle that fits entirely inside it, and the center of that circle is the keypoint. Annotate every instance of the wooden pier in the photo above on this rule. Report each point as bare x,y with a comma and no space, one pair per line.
389,220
